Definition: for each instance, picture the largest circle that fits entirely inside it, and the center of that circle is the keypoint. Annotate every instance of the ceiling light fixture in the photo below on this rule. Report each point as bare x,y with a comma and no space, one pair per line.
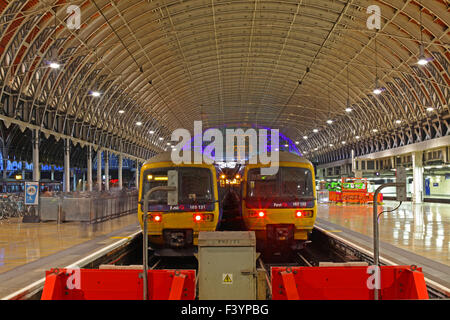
55,65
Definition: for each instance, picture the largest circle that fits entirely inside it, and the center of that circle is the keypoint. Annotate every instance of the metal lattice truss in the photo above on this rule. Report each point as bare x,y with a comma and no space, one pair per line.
288,64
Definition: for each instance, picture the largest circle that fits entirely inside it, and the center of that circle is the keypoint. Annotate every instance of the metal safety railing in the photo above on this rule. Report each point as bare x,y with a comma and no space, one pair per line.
90,208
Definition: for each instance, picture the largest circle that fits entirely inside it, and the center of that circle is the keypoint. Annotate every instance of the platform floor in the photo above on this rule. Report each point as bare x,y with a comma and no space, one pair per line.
22,243
422,229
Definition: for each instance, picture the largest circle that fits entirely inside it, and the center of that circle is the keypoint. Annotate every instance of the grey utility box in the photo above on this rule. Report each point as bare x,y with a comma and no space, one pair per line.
227,265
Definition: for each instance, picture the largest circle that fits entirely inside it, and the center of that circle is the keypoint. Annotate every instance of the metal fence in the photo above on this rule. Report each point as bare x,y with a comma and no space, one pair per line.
88,208
323,196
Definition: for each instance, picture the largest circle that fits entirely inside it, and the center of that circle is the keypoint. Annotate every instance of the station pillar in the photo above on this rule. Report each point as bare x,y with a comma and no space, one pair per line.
52,173
35,142
417,185
74,179
5,163
89,168
120,169
24,166
66,165
106,170
99,170
137,174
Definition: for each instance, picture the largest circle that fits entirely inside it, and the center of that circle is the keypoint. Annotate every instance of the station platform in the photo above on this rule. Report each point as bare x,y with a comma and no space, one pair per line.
412,235
28,250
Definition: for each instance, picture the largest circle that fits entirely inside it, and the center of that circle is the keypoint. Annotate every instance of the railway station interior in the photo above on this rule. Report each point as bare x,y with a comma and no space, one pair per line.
352,95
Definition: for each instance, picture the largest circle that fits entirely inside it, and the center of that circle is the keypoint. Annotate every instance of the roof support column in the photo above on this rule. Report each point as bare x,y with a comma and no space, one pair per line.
89,168
417,185
106,170
99,170
35,142
66,165
120,169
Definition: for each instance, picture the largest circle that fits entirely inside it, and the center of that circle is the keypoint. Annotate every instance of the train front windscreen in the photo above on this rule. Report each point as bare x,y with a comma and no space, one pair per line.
195,189
290,184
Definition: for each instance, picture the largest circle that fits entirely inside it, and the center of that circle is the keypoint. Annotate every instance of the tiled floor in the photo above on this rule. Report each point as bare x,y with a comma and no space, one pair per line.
21,243
423,229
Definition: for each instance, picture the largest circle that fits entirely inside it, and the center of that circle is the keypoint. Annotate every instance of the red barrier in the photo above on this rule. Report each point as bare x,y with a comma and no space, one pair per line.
346,283
88,284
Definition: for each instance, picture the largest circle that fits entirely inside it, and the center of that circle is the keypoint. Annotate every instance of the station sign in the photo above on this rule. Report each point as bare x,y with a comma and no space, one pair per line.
31,193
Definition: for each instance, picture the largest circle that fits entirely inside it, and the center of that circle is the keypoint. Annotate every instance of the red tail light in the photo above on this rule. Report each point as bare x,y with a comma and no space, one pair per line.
257,214
201,217
155,217
304,214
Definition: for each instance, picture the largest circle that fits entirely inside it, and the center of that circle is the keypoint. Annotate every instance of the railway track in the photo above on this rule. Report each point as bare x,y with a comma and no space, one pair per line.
324,248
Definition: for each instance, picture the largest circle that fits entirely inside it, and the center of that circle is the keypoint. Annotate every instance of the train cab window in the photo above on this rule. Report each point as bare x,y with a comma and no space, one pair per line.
286,184
194,185
296,182
261,185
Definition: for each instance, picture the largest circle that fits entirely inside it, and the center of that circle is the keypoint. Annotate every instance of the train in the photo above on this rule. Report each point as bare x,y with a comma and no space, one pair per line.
281,209
174,229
